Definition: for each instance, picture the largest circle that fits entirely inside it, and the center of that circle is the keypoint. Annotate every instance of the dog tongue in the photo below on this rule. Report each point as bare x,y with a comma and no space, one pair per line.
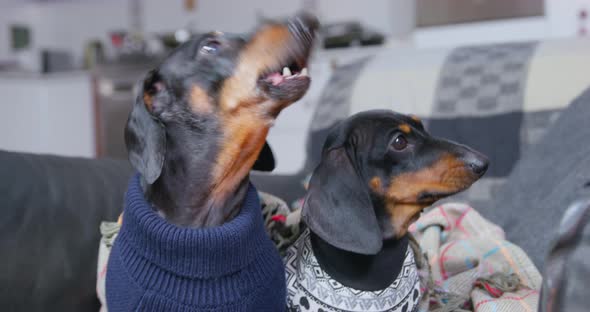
275,78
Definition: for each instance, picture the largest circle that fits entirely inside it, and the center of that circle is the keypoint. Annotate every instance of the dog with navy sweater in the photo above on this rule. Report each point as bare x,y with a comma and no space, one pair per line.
192,237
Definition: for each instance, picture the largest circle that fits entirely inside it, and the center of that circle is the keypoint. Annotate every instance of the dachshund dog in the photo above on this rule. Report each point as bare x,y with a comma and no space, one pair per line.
379,170
192,236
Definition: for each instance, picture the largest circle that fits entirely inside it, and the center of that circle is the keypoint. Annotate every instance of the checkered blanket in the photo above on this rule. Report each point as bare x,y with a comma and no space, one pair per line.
470,266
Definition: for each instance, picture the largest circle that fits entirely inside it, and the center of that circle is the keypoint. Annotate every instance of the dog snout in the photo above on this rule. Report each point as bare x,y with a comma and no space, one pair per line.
476,162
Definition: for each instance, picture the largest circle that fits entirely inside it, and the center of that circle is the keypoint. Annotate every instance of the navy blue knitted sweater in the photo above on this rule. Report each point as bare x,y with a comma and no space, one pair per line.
157,266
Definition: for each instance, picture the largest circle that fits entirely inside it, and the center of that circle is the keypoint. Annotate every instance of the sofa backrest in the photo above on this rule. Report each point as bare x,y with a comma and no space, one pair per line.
52,207
499,99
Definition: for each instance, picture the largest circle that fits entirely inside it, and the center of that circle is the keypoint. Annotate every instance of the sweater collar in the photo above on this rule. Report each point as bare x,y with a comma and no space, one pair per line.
193,252
305,277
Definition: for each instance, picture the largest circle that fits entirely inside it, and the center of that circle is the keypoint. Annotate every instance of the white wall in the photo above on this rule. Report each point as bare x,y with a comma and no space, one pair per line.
70,24
50,114
22,15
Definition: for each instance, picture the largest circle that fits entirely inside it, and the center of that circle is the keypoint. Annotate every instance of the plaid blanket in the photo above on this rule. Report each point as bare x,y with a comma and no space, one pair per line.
469,266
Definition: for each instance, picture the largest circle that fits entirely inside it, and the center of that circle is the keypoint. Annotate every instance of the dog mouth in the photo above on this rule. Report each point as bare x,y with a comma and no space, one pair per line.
294,71
289,80
423,201
429,198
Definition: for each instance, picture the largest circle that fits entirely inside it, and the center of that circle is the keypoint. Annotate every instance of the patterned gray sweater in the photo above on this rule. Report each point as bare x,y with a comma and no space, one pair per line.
309,288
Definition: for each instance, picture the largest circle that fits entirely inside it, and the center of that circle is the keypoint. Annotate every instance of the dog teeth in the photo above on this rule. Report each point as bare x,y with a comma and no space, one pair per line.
286,72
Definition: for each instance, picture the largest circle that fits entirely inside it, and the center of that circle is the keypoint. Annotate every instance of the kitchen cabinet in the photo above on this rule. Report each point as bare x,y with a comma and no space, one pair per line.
48,114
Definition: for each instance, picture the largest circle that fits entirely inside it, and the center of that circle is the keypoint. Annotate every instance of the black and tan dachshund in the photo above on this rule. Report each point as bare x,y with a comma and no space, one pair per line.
192,235
203,115
378,171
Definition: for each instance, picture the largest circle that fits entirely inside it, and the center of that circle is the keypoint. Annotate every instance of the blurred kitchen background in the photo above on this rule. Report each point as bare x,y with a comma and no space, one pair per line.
68,67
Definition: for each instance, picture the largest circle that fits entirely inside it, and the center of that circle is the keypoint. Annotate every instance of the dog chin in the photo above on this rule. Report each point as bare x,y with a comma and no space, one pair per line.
407,214
288,91
288,81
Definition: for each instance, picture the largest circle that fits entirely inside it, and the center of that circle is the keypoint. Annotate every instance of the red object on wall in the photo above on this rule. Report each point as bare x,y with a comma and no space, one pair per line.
190,5
117,39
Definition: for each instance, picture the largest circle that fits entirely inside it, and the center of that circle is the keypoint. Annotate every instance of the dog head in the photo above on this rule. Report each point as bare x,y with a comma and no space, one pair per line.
379,170
224,91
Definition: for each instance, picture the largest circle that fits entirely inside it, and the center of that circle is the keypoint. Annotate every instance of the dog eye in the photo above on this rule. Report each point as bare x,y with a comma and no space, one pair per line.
211,47
399,143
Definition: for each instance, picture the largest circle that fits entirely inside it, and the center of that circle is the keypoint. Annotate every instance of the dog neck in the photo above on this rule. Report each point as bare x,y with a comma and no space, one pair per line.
362,272
183,192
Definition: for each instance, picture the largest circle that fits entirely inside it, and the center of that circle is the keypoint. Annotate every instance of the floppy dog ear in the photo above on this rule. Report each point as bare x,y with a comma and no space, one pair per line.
265,160
145,136
338,206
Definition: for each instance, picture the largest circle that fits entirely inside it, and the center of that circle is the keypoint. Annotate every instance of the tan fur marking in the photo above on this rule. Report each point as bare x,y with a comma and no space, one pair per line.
447,175
199,101
243,139
376,185
416,118
147,100
405,128
401,216
253,61
245,113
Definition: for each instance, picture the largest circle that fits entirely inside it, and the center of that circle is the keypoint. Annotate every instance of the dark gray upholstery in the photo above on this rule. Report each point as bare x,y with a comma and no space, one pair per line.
49,229
545,181
567,272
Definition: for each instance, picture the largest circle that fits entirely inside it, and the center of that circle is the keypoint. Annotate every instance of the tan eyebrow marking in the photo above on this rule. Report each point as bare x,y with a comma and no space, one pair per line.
405,128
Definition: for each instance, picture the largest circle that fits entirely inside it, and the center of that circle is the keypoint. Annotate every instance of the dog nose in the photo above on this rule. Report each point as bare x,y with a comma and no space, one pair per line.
477,162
